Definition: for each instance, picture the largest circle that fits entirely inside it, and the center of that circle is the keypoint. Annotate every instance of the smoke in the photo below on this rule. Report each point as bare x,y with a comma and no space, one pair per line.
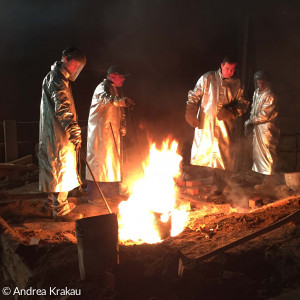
238,198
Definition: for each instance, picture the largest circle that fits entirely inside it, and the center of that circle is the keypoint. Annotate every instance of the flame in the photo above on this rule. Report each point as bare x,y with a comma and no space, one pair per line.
153,196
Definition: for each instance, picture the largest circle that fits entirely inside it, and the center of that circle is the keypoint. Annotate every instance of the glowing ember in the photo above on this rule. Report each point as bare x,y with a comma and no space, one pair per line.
152,196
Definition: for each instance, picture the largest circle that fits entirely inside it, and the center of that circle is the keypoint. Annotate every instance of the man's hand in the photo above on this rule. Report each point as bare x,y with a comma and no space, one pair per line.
123,130
129,102
77,146
190,117
225,115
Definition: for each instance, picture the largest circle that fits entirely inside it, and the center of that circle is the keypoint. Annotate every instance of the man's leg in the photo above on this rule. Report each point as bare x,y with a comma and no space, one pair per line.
61,206
221,179
92,191
269,182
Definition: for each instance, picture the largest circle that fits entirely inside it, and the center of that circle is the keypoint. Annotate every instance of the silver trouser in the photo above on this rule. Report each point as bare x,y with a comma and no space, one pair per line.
56,201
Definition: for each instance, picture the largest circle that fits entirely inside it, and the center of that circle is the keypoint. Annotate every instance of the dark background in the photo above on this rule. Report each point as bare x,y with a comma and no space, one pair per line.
165,46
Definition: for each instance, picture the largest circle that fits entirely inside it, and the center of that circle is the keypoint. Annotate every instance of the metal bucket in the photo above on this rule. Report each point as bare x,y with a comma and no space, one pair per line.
292,180
97,245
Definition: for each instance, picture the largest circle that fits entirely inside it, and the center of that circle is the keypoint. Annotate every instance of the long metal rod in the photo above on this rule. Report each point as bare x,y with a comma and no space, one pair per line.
84,159
112,132
119,154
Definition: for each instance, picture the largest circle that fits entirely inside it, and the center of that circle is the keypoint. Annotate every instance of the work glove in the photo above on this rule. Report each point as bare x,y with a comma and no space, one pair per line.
77,145
123,130
129,102
191,116
225,115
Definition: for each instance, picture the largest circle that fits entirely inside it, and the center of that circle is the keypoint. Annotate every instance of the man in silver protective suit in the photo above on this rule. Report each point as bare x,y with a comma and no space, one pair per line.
263,123
60,134
212,108
106,127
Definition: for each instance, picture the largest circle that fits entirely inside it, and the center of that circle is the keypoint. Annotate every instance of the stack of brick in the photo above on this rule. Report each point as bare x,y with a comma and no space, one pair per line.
192,186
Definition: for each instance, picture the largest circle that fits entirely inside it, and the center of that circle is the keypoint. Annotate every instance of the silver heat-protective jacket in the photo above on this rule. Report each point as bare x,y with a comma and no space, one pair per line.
263,115
214,143
59,132
106,119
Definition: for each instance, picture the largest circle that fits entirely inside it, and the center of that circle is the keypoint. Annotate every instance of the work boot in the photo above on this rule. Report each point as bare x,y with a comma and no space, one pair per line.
69,217
267,184
63,210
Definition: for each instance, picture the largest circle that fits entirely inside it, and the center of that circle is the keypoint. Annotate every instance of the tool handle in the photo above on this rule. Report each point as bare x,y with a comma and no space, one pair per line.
84,159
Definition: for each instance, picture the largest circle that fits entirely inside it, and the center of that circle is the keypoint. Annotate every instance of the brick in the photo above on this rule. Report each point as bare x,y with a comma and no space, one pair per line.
255,202
194,183
192,191
180,182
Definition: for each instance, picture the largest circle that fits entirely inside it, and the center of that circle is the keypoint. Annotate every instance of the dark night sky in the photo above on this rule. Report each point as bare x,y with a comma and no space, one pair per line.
165,45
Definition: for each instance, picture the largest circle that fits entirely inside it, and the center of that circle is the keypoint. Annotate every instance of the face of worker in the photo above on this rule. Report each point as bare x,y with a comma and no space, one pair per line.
74,68
117,79
228,70
262,84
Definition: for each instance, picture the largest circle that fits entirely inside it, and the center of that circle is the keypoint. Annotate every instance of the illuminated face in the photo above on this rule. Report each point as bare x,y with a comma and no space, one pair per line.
74,68
117,79
262,84
228,70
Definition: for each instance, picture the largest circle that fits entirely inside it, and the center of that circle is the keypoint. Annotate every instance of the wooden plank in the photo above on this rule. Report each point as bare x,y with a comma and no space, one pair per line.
23,163
289,218
23,160
13,167
8,198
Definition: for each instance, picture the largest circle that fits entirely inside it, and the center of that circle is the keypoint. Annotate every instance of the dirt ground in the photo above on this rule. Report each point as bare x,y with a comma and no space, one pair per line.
266,267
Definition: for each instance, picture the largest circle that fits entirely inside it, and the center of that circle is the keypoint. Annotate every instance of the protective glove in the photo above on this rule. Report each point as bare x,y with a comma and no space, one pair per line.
77,145
225,115
123,130
129,102
191,116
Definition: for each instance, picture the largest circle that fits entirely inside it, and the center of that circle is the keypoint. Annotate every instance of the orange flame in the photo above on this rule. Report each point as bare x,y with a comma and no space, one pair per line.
154,193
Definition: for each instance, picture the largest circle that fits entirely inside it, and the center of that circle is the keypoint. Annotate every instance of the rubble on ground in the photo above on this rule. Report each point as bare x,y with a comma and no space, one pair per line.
40,253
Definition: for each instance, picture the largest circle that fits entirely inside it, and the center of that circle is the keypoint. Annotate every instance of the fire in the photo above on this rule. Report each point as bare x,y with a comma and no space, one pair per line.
152,203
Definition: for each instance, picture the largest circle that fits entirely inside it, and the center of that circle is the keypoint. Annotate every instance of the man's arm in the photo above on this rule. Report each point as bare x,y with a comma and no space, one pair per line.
237,107
192,104
268,112
103,93
60,94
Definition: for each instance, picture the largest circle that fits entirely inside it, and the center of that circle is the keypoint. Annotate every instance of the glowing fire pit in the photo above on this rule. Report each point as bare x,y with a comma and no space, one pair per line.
151,210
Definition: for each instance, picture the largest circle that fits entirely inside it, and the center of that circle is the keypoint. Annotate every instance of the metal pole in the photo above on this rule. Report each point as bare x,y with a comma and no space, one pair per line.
119,154
114,139
84,159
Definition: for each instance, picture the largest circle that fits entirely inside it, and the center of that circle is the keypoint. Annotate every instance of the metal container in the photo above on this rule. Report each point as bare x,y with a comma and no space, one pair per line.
97,245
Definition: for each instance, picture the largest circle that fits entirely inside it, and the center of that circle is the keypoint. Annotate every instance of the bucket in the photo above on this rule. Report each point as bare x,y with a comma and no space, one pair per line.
292,180
97,245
